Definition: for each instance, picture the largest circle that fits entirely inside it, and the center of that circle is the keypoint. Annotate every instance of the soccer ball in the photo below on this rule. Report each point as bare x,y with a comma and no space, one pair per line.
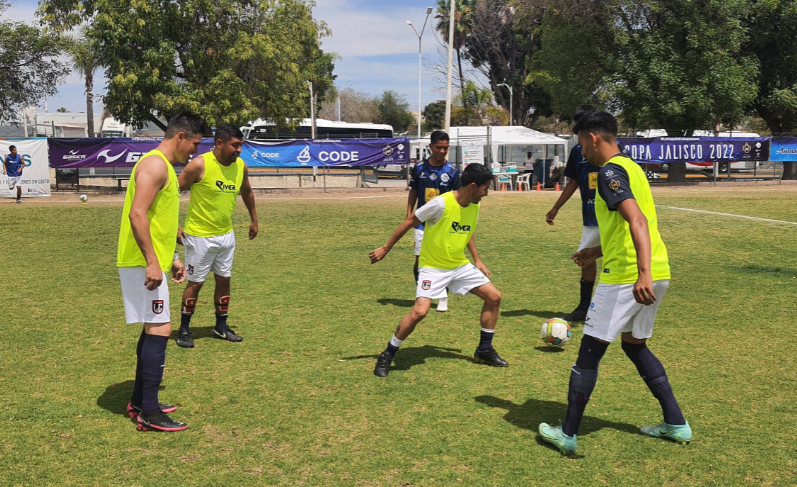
84,198
555,332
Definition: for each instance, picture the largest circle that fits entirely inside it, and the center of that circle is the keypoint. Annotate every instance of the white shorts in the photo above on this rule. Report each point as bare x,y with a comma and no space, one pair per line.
614,310
203,254
13,181
418,241
432,283
141,304
590,237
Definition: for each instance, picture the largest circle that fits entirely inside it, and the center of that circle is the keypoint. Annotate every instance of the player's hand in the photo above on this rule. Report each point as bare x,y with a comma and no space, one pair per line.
643,290
483,268
378,254
180,235
585,257
253,230
178,271
153,277
551,215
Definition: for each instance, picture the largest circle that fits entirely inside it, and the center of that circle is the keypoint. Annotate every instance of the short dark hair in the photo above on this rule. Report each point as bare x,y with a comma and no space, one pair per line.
579,113
476,173
227,131
438,136
11,147
186,122
599,123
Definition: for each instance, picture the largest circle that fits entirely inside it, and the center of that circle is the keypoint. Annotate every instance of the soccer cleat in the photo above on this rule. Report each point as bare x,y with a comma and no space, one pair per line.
682,433
227,334
19,202
382,365
577,315
555,436
442,305
158,421
490,357
133,410
184,339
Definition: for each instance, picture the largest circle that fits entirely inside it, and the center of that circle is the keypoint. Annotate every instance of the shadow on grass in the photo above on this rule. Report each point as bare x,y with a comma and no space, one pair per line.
116,397
200,332
409,357
529,312
548,349
402,303
762,269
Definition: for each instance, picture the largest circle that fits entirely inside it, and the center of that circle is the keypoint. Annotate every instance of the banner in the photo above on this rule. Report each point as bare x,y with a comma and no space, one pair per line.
36,174
327,152
783,149
472,152
666,150
106,151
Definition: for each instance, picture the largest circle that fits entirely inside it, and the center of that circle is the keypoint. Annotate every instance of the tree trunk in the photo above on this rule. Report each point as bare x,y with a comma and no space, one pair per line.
790,170
90,104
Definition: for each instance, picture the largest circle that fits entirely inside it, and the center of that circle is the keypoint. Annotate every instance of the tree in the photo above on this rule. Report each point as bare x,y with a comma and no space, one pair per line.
233,62
474,101
86,58
393,111
434,116
31,66
62,110
355,106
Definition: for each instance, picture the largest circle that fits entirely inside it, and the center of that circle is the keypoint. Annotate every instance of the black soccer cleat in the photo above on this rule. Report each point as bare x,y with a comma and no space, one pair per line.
577,315
382,365
133,410
490,357
158,421
184,339
227,334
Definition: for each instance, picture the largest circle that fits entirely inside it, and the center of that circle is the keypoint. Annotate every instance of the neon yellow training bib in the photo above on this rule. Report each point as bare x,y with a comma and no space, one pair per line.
213,199
163,216
619,254
444,242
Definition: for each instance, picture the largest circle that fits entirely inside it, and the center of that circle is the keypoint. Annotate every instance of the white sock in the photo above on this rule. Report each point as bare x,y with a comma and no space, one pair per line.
396,342
488,331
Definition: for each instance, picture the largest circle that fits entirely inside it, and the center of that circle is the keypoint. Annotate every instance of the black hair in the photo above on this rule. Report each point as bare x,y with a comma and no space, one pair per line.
227,131
579,113
186,122
476,173
11,147
438,136
599,123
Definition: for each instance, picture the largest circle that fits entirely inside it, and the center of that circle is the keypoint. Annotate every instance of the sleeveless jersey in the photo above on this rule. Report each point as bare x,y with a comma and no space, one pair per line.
213,199
444,242
619,254
432,181
163,218
14,166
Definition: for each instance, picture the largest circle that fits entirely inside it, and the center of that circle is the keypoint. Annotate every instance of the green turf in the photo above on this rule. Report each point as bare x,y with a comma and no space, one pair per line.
296,402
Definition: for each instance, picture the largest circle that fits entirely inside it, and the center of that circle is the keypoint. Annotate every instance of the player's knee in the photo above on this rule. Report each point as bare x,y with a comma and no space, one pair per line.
419,311
494,298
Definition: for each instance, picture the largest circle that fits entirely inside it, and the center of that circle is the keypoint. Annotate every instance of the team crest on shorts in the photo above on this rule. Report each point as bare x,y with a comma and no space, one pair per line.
190,270
426,285
157,306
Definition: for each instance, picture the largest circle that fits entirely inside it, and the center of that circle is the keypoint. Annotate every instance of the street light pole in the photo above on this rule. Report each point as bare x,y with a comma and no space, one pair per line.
420,67
452,11
510,101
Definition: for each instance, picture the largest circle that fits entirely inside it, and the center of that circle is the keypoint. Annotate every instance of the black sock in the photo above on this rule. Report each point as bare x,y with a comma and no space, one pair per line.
583,377
137,385
416,273
392,347
185,320
652,372
153,359
586,293
221,322
486,339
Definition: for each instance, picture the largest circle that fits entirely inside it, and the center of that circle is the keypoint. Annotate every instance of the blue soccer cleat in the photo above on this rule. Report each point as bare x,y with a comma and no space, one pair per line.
555,436
681,433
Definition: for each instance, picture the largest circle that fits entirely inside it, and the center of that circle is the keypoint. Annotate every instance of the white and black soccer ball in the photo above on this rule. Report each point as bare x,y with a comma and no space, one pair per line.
555,332
84,198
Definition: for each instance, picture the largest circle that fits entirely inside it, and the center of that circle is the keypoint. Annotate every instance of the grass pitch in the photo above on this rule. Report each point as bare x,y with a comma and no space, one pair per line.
296,402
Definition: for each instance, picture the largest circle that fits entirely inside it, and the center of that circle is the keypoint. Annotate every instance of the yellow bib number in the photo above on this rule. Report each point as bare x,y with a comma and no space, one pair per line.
431,193
593,180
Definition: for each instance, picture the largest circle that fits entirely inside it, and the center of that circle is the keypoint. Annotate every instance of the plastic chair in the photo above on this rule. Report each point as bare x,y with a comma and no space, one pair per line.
523,180
502,180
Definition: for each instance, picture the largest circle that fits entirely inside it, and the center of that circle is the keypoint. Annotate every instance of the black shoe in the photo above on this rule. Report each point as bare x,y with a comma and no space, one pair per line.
158,421
490,357
19,202
227,334
184,339
578,314
133,410
382,365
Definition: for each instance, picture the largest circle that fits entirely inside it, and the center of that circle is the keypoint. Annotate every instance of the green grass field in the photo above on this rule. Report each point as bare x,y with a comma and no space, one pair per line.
296,402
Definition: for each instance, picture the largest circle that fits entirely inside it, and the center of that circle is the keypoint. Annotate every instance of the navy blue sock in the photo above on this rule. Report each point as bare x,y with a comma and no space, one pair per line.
652,372
137,385
583,377
185,320
586,293
392,347
221,322
486,339
153,358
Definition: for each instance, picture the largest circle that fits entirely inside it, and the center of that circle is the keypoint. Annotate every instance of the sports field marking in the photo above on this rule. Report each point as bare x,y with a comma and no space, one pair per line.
727,214
286,198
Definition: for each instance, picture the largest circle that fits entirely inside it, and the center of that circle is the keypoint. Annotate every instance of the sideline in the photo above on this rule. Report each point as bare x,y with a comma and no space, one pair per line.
726,214
284,198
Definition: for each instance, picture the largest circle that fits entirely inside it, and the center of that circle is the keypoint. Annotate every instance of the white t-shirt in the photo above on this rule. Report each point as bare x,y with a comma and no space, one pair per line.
432,211
529,165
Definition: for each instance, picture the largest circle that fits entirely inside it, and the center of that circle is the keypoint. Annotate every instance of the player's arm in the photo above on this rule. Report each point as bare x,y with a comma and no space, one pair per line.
475,254
193,172
412,198
640,234
380,253
5,161
567,192
249,200
151,176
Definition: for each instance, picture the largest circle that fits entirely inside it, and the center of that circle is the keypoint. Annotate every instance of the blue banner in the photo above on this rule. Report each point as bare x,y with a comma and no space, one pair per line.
783,149
667,150
326,152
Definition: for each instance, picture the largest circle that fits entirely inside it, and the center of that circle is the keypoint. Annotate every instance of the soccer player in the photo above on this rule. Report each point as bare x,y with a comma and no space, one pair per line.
451,221
583,176
12,167
215,178
429,179
147,241
635,277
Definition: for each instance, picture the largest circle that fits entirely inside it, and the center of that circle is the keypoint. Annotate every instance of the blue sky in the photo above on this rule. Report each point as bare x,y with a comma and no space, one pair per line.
378,50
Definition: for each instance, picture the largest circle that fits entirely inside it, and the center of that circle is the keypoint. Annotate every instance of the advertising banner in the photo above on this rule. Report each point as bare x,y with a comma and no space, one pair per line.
105,151
696,149
783,149
472,152
36,174
327,152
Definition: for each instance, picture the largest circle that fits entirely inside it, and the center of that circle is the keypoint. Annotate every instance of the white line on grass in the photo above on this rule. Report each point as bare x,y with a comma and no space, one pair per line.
285,198
727,214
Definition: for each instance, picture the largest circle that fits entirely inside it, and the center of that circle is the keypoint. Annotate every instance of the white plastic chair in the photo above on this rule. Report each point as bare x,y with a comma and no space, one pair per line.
523,180
502,180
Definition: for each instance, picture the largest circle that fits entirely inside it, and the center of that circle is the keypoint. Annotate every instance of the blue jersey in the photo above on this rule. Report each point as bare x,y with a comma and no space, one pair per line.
14,166
587,176
432,181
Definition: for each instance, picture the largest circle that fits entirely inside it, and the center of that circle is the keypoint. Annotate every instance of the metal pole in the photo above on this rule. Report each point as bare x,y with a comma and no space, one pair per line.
25,122
451,13
511,95
312,112
419,87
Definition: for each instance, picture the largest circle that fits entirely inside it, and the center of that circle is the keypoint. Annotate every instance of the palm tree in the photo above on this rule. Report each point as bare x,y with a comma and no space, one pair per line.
463,23
477,98
86,59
